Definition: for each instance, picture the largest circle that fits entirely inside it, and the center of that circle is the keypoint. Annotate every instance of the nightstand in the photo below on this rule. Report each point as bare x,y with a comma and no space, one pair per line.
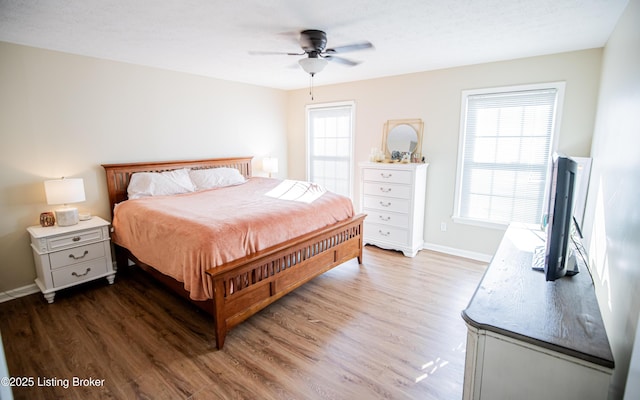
69,255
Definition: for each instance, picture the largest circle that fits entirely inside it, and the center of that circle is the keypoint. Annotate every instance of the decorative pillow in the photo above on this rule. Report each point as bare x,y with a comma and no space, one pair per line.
215,177
144,184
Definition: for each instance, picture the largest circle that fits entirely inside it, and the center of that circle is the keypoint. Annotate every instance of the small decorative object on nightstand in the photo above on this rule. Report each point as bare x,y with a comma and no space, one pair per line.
69,255
47,219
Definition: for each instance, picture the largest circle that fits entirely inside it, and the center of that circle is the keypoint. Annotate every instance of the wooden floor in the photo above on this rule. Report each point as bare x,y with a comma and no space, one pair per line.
389,329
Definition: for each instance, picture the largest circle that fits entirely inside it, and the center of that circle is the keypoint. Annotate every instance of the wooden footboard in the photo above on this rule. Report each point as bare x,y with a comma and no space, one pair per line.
247,285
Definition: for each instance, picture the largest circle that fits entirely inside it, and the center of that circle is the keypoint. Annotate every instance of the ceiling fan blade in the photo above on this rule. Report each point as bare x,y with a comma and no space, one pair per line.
350,47
342,61
271,53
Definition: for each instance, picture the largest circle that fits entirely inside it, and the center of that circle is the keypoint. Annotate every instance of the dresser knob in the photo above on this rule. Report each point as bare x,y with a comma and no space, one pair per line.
385,190
385,176
384,218
384,233
383,204
76,238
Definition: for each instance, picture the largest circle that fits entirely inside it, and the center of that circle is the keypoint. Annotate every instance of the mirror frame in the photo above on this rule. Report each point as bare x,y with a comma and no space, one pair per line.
416,124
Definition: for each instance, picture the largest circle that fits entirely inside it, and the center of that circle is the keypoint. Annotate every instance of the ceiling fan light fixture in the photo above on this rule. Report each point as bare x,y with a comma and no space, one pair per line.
312,65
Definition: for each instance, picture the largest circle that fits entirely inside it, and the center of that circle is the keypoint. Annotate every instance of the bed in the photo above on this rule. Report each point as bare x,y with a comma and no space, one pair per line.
238,286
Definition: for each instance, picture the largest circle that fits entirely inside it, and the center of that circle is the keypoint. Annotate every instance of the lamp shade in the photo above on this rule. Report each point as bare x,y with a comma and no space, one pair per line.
64,191
270,164
312,65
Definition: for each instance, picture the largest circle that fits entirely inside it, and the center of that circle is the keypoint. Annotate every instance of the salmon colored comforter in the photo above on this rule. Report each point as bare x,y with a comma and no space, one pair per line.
186,234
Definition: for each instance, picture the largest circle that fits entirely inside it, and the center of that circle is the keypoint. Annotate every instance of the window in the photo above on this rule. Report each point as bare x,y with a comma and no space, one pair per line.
330,146
506,140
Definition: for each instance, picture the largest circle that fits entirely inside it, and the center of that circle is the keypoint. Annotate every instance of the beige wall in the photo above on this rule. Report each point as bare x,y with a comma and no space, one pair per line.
64,115
612,220
435,98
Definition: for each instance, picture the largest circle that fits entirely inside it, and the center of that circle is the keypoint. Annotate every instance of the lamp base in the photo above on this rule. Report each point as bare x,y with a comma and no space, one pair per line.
67,216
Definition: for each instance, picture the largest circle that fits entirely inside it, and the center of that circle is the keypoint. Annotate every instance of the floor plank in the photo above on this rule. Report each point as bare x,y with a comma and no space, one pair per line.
390,328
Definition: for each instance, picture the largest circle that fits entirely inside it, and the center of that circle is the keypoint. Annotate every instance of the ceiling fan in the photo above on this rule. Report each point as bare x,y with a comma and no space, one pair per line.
314,45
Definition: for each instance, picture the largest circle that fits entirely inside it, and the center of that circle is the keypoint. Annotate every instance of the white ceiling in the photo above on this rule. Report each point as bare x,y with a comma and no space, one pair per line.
213,37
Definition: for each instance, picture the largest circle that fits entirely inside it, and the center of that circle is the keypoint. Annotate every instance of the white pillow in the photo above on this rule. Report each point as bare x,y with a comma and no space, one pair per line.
215,177
144,184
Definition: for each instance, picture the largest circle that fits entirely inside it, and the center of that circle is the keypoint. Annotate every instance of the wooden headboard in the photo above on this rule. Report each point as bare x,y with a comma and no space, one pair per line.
118,175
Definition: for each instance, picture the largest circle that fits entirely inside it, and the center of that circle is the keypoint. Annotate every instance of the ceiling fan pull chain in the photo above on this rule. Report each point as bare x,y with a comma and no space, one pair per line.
311,87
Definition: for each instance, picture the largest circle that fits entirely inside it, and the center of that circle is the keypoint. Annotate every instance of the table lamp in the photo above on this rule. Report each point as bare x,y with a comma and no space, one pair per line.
270,165
65,191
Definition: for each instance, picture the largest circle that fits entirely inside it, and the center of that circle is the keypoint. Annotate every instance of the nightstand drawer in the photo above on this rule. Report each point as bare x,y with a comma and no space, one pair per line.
386,175
387,190
76,255
74,239
79,272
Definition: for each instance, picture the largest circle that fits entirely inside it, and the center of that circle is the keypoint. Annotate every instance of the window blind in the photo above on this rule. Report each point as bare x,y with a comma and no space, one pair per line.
506,147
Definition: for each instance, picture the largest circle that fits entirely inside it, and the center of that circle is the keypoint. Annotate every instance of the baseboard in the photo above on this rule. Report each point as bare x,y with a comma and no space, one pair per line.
458,252
18,292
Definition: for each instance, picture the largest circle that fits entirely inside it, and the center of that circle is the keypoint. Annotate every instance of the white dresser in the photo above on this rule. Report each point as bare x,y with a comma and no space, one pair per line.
393,197
69,255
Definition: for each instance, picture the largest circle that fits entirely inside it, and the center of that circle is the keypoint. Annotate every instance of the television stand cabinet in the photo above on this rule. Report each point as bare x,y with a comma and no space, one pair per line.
532,339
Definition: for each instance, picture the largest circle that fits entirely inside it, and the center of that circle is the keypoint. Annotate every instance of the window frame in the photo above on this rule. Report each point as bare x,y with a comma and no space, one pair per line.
553,145
340,104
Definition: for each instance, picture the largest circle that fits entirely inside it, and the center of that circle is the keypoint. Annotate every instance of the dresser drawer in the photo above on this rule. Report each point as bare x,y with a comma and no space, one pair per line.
386,204
387,175
387,218
76,255
79,272
387,190
385,233
74,239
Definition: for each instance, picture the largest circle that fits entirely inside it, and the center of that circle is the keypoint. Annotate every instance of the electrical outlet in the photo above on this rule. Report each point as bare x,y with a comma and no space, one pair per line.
443,226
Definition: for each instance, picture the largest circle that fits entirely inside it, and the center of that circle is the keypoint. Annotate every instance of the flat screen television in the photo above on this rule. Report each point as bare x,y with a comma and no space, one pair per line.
559,259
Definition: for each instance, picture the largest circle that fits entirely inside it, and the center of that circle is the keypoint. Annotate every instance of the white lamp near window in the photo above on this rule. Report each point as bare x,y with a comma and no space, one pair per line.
270,165
65,191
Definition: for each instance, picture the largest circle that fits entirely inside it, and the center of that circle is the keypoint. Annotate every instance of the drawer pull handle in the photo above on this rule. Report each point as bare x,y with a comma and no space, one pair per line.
385,176
383,233
81,275
76,238
384,218
383,204
385,190
79,257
